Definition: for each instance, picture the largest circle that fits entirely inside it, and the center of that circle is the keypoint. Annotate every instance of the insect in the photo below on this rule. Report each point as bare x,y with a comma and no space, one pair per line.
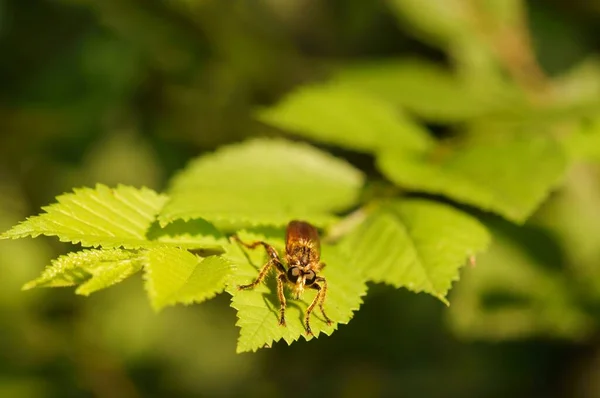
303,258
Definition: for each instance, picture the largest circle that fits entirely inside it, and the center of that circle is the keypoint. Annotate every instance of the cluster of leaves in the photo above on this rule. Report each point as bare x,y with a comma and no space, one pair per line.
255,188
503,157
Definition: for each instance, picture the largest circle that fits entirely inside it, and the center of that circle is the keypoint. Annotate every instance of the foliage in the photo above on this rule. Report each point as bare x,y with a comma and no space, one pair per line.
258,309
494,176
174,275
409,157
339,115
90,269
278,180
109,217
416,244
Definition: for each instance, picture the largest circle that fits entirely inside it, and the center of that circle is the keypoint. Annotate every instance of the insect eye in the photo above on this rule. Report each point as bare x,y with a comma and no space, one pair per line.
310,278
293,274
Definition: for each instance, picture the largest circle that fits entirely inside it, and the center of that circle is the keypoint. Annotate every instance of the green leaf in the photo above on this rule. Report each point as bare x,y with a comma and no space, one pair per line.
576,92
422,87
508,176
509,295
93,217
583,143
192,234
450,21
438,22
95,269
572,215
340,115
258,309
417,244
263,182
109,274
175,275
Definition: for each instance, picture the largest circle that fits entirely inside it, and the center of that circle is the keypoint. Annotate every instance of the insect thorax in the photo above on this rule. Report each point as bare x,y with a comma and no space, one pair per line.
303,254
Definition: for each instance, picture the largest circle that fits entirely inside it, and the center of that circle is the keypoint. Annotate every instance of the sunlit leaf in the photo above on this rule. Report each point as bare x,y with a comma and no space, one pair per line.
258,309
175,275
93,217
342,115
420,86
192,234
416,244
263,182
94,269
109,274
508,176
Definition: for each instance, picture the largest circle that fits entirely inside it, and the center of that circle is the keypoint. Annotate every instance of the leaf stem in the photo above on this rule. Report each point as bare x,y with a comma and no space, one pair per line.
347,224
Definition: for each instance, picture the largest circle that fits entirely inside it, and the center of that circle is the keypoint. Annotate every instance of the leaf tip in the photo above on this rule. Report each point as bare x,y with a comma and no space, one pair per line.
81,291
164,220
443,299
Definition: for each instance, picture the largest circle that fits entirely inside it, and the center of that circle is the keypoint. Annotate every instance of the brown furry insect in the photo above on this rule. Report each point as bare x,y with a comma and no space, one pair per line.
303,258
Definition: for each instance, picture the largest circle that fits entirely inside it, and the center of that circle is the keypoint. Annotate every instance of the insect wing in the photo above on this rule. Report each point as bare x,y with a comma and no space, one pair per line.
301,232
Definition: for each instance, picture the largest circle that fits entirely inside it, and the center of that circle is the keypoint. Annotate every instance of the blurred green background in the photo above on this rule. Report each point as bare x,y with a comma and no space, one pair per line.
127,91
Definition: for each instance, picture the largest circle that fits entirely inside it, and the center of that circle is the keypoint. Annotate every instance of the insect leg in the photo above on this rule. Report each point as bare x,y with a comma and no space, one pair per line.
281,279
270,250
274,261
261,275
322,300
319,299
310,308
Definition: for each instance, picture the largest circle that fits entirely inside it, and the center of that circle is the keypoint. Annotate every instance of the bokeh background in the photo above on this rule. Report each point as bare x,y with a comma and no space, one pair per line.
127,91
